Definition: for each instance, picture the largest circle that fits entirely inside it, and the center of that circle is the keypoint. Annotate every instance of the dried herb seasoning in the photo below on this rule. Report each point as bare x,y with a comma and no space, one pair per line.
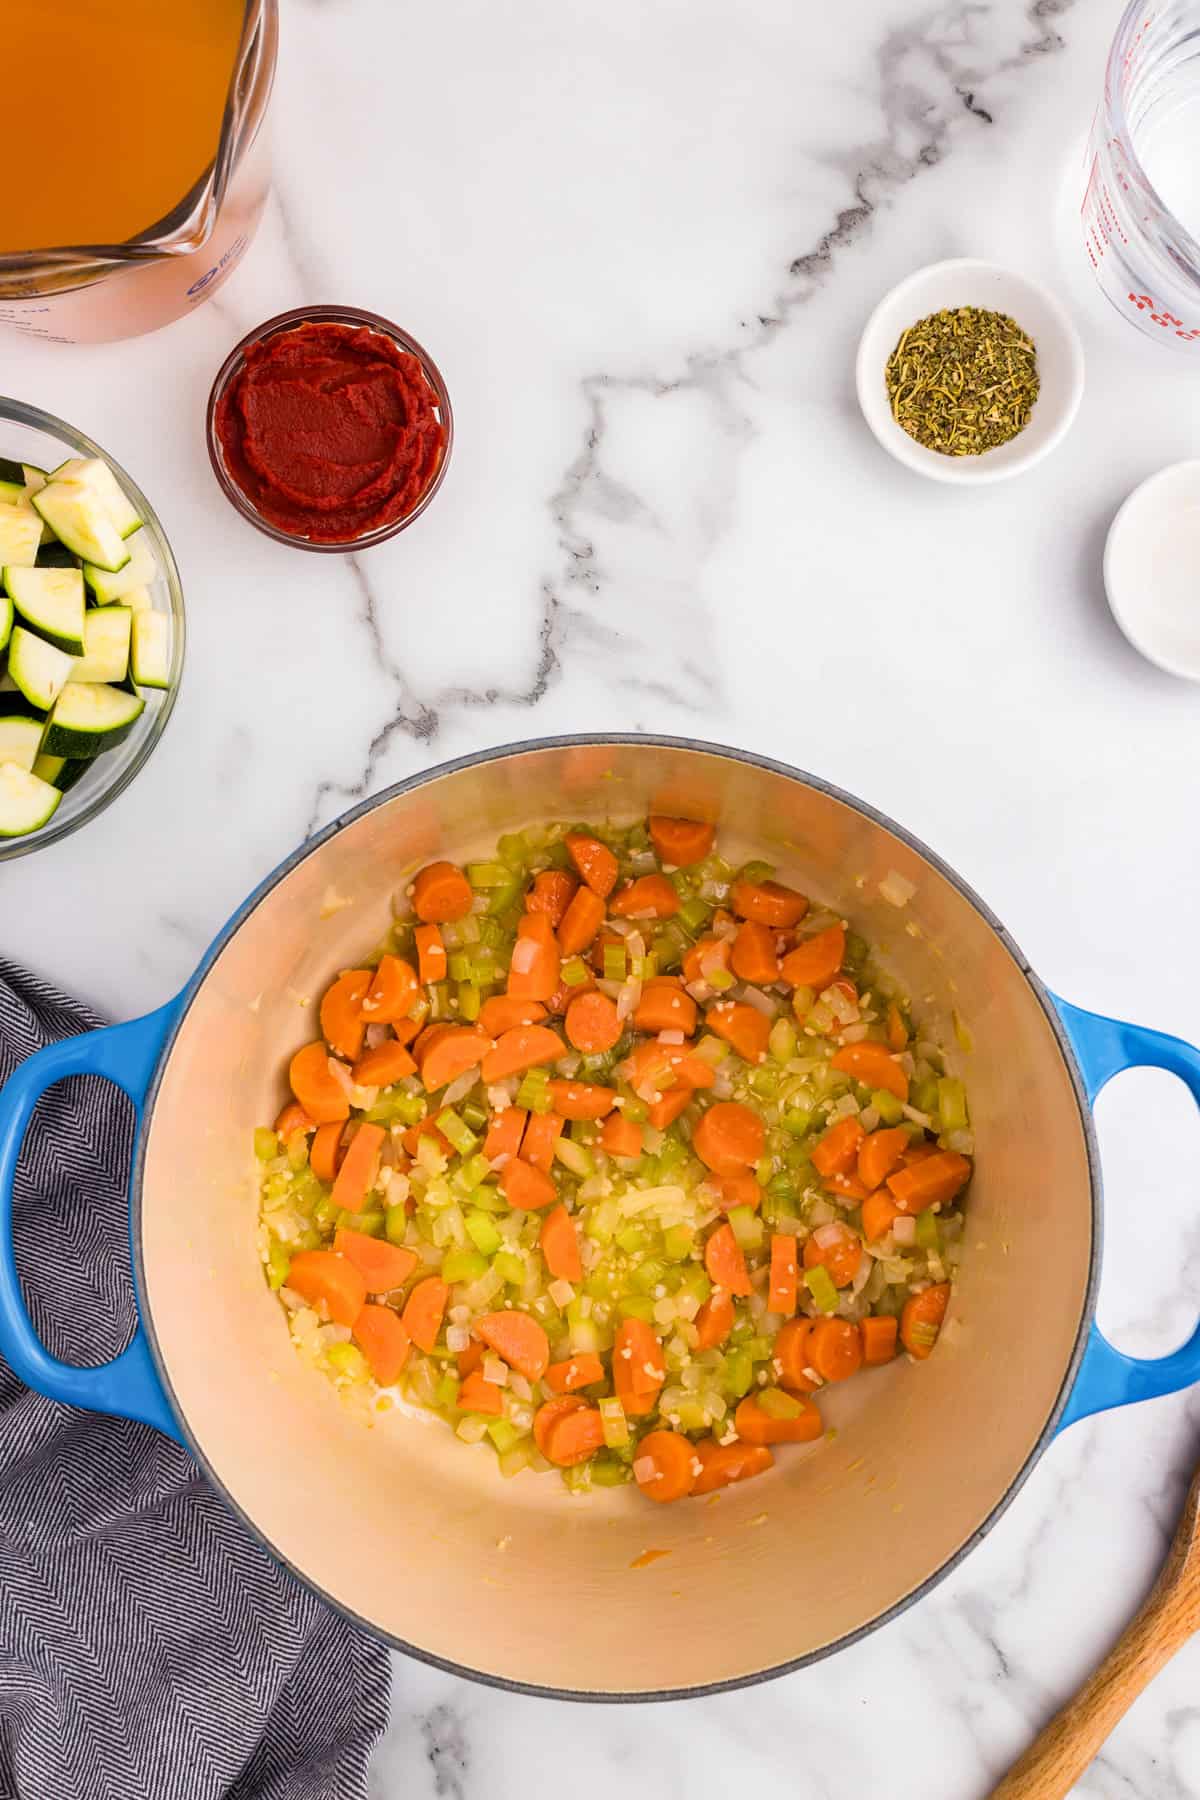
963,381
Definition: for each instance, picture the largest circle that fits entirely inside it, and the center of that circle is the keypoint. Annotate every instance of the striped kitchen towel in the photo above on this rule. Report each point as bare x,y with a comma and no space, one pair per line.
150,1649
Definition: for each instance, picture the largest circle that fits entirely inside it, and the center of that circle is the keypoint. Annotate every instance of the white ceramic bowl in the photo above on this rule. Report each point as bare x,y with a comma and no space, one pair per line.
1152,569
966,282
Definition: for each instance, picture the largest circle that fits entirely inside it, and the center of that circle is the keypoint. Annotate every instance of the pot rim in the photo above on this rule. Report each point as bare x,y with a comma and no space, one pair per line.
703,746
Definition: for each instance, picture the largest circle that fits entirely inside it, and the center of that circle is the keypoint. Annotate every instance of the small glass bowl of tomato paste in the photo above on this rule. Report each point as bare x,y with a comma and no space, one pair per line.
329,428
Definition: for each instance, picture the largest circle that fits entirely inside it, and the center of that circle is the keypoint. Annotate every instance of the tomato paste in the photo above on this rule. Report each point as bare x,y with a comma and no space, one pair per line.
331,431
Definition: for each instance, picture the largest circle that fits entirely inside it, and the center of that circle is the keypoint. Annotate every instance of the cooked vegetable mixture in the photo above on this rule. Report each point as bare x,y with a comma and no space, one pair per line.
615,1156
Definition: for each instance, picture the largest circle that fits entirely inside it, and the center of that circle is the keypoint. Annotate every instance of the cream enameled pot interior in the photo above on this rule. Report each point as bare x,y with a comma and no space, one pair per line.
415,1532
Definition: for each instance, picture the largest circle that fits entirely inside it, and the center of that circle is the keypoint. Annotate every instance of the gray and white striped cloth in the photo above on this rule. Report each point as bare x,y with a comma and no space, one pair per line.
150,1649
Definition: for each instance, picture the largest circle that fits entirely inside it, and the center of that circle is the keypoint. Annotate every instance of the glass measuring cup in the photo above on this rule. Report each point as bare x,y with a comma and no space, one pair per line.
97,292
1140,214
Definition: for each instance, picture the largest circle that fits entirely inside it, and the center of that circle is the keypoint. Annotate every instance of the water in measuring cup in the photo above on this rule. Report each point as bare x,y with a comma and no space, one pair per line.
1167,148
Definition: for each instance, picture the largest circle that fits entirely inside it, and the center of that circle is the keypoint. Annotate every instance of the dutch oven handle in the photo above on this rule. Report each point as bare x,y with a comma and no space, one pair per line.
129,1385
1103,1048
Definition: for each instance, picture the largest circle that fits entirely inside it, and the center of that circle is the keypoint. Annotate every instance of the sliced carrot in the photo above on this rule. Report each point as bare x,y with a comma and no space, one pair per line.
754,1426
342,1021
551,893
873,1064
638,1369
547,1417
324,1277
880,1154
574,1437
541,1135
920,1322
649,897
897,1030
358,1167
524,1047
322,1097
711,951
582,1099
620,1136
665,1007
462,1047
575,1372
652,1067
468,1360
878,1339
581,921
560,1245
714,1321
729,1138
792,1356
768,903
595,862
782,1293
814,963
848,1188
664,1467
526,1188
383,1341
432,960
405,1030
839,1252
665,1111
425,1310
478,1395
518,1338
725,1263
680,842
835,1348
384,1266
592,1024
878,1211
722,1464
837,1152
292,1119
441,892
754,956
324,1152
384,1065
743,1026
932,1181
606,940
393,992
741,1189
566,991
534,970
505,1011
920,1152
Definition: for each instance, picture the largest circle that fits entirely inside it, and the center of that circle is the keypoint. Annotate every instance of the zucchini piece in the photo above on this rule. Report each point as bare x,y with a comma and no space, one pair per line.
12,483
39,670
137,599
89,717
106,637
20,535
93,472
20,741
61,772
51,600
6,619
139,571
56,556
26,801
78,515
14,705
151,657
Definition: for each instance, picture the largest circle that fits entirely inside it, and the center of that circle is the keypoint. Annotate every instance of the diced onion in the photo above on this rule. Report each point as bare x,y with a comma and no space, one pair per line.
495,1370
645,1469
762,1003
897,889
826,1236
460,1088
671,1037
341,1075
524,956
457,1338
904,1229
376,1034
918,1118
629,999
519,1387
562,1293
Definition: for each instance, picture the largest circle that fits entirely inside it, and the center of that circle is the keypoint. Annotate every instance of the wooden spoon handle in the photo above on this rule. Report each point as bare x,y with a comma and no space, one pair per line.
1057,1758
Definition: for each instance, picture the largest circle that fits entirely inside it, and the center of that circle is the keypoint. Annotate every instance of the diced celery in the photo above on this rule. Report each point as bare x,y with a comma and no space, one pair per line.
510,1267
637,1110
928,1235
758,871
747,1227
781,1202
475,1115
720,979
694,914
695,1281
488,1198
278,1264
482,1233
410,1108
952,1104
632,1238
463,1265
672,1156
458,966
648,1275
296,1151
574,971
585,1337
397,1223
574,1157
643,968
325,1215
266,1144
765,1083
889,1108
713,1050
503,1434
693,1415
924,1095
513,850
469,1001
782,1041
637,1306
371,1221
613,1420
504,897
534,1092
601,1221
614,962
819,1283
348,1361
737,1378
857,949
778,1405
476,1170
446,1391
678,1241
458,1131
607,1472
488,875
439,1000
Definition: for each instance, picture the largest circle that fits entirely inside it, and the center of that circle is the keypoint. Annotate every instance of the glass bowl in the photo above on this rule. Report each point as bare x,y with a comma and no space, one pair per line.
27,434
325,315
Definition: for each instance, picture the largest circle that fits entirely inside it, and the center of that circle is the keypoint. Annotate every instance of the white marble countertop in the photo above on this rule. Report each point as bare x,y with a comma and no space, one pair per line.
641,241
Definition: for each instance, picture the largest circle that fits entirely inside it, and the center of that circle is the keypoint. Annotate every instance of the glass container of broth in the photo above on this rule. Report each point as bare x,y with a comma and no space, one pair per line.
158,173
